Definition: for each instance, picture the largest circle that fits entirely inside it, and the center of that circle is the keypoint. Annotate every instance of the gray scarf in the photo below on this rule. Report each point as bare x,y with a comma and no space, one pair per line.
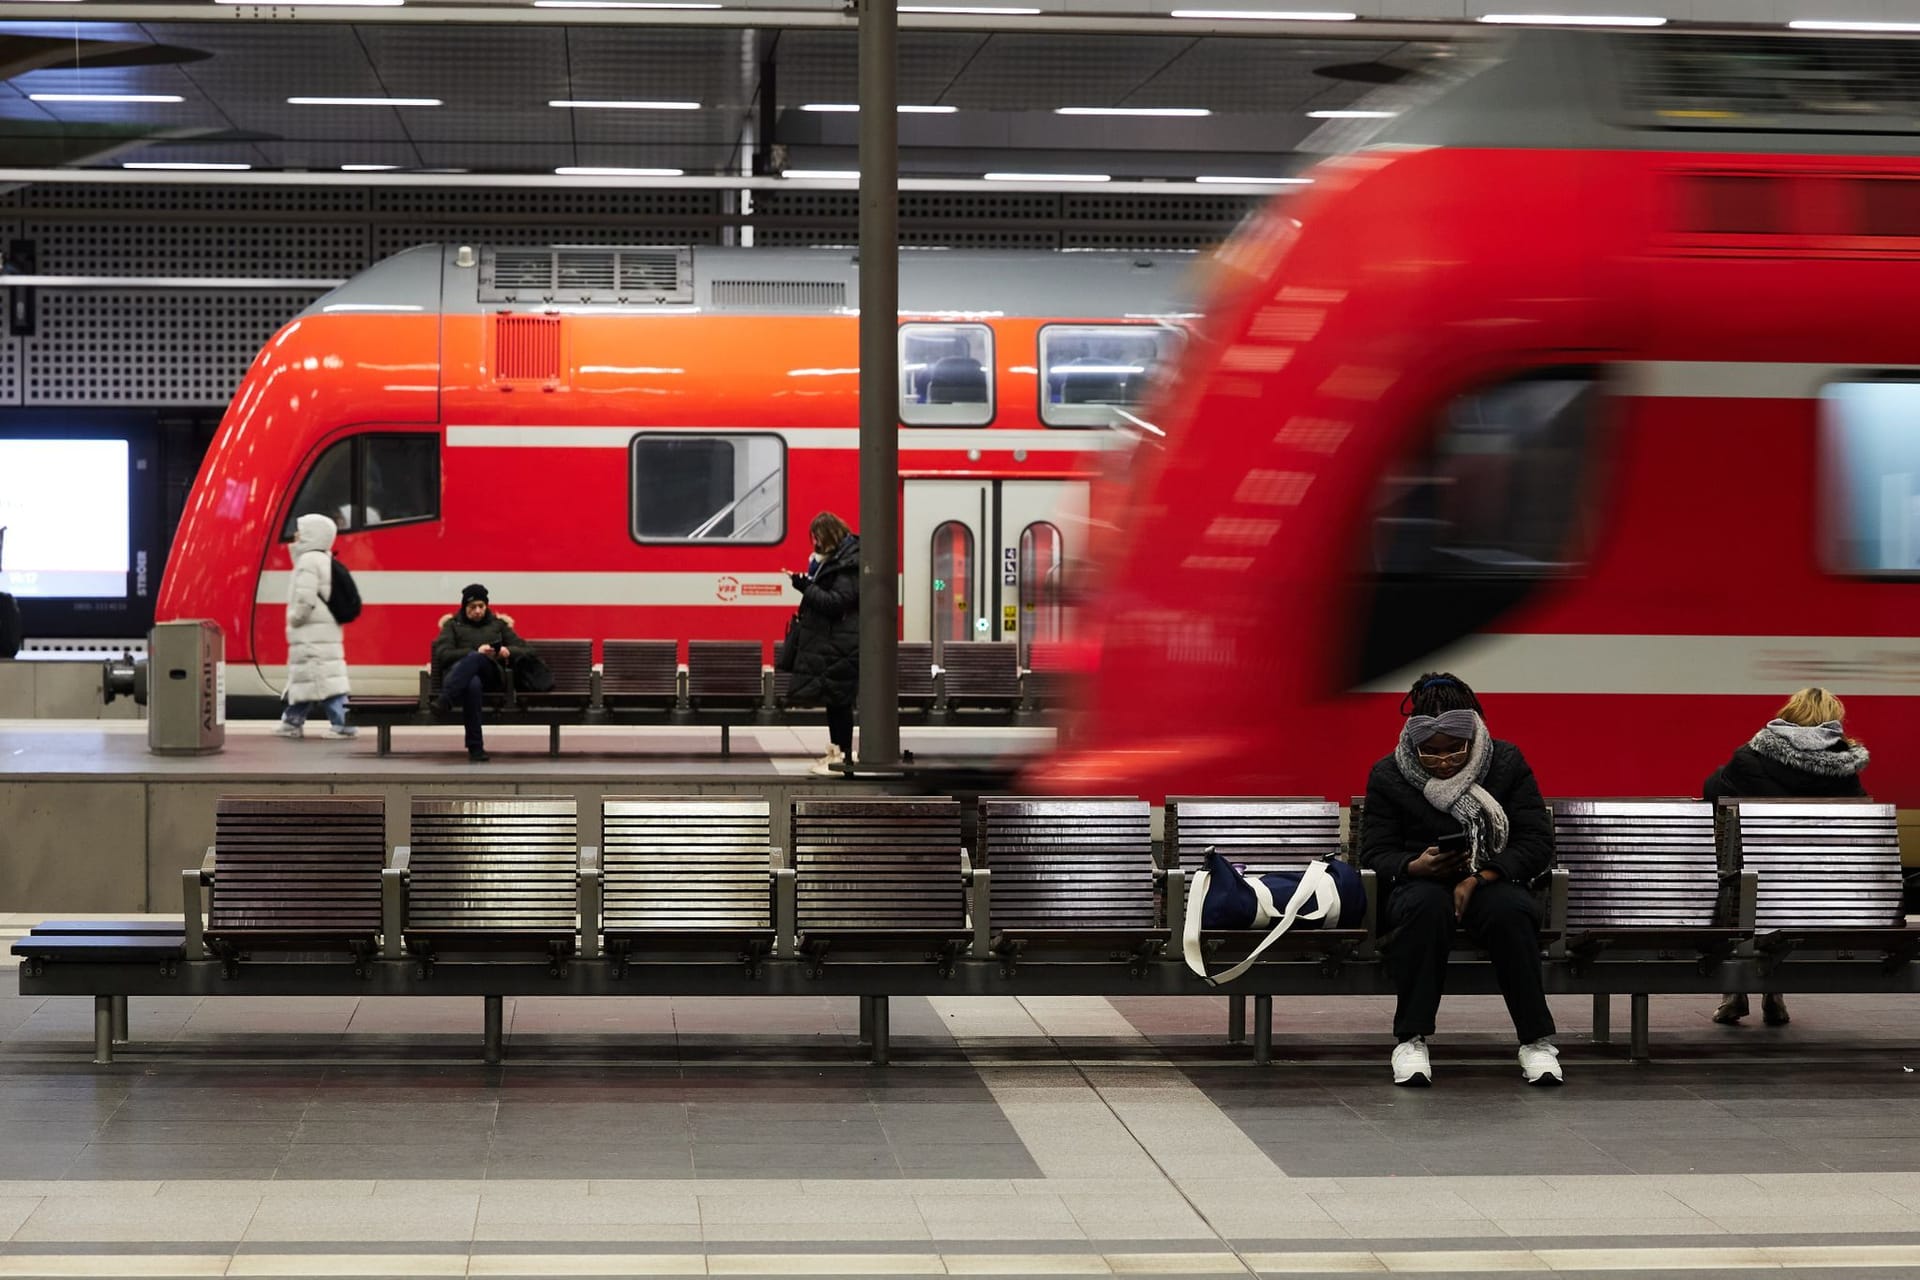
1819,749
1479,814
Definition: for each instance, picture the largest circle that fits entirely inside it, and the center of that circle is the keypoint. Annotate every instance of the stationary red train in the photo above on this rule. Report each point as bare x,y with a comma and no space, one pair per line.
1593,379
631,442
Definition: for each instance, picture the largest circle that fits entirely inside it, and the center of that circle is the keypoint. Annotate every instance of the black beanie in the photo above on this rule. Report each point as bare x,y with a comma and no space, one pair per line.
474,591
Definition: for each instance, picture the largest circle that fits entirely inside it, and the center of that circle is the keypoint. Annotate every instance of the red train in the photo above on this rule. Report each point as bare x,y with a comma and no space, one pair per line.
1593,379
630,442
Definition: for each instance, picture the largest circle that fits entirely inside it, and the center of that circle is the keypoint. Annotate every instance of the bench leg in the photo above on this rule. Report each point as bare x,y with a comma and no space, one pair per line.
1638,1048
102,1030
726,742
492,1050
553,739
866,1020
1236,1019
383,739
1262,1030
1603,1019
878,1055
120,1035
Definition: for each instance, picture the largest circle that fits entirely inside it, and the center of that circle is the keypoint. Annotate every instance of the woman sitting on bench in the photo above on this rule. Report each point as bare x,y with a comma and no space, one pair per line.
470,651
1455,829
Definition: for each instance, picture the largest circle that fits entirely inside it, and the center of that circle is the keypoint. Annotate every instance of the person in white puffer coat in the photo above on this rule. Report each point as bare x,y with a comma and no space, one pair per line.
316,646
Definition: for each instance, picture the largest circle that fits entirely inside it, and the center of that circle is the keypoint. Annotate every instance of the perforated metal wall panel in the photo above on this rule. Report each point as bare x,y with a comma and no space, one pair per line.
108,347
9,356
305,251
163,198
392,238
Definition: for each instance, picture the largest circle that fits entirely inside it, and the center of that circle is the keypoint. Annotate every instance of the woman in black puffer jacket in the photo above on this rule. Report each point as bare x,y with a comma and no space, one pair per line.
1802,753
823,646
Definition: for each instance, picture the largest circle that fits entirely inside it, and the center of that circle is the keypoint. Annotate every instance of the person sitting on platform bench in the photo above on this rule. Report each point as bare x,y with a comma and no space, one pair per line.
473,647
1455,829
1803,753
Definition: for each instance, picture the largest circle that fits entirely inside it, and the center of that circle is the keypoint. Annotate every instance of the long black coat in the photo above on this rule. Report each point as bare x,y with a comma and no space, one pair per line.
826,638
1752,775
458,638
1399,823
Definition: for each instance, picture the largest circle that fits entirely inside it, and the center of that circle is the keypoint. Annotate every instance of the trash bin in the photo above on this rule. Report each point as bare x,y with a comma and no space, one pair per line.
183,685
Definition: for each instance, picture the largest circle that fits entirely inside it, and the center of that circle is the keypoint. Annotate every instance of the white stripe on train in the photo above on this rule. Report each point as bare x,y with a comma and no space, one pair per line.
508,590
912,439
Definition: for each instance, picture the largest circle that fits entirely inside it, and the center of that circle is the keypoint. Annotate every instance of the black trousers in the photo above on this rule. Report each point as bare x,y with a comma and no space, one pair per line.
1502,918
840,728
465,684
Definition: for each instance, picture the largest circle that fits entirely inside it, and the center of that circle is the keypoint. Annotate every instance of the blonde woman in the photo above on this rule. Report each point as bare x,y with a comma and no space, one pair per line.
1802,753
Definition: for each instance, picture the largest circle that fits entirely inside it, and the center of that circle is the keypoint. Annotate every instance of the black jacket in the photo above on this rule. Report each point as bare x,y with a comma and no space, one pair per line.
826,632
458,638
1399,823
1752,775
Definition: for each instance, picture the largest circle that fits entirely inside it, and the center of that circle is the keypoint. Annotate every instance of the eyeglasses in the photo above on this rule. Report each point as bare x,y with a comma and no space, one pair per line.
1456,756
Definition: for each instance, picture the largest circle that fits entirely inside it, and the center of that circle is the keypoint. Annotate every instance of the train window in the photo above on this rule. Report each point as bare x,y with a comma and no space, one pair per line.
709,488
1493,504
1042,587
1089,372
372,479
946,375
1871,477
953,572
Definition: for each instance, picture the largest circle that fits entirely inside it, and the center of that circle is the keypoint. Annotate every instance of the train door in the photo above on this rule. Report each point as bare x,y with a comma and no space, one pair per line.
990,559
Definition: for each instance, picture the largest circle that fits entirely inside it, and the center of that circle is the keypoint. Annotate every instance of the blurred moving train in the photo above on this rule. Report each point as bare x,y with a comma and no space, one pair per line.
1593,378
631,442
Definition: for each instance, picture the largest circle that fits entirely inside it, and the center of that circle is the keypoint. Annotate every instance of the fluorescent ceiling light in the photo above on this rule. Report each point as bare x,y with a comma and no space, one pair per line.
1262,182
614,171
821,173
363,102
367,168
991,11
1131,111
327,4
1353,115
620,4
373,306
106,97
1269,15
1823,24
180,164
1572,20
615,104
1048,177
905,110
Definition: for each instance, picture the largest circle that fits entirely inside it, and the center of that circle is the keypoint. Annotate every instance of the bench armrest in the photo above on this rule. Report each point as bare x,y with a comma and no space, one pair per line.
426,688
966,865
194,923
1175,879
393,904
786,909
980,911
1370,885
589,900
206,867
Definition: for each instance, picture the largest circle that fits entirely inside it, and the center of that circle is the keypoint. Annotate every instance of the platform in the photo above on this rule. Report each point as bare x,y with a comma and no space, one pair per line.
91,821
1032,1137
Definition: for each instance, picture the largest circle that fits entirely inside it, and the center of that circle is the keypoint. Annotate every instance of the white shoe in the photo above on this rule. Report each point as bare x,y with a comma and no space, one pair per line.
1540,1063
829,764
286,730
1410,1065
342,731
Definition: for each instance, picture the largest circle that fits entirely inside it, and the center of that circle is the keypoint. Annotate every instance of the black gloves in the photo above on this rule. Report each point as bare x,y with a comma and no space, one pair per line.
800,581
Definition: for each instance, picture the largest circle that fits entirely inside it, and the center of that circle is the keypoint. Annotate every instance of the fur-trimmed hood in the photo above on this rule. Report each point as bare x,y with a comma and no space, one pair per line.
1841,760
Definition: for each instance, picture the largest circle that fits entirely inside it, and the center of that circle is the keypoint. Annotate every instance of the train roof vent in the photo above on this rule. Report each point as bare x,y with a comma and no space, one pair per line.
779,295
620,275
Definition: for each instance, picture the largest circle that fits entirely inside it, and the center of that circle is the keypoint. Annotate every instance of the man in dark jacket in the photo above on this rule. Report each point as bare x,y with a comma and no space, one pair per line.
473,646
825,639
1455,829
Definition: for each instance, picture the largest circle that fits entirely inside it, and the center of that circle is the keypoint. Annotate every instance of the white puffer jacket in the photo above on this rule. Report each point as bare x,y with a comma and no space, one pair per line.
316,650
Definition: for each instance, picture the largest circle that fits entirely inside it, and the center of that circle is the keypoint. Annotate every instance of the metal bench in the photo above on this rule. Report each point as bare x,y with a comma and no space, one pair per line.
980,673
1052,679
1070,873
148,944
571,662
686,873
914,669
640,674
724,674
1828,875
490,874
289,873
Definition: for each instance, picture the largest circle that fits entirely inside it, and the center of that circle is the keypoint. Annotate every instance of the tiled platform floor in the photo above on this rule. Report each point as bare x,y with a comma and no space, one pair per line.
1035,1137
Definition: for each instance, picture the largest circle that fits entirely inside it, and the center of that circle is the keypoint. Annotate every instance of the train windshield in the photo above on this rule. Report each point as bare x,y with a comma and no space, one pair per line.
1775,84
1871,447
1491,504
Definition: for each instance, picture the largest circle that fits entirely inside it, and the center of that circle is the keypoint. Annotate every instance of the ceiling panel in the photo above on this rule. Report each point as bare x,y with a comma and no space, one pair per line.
824,66
1046,71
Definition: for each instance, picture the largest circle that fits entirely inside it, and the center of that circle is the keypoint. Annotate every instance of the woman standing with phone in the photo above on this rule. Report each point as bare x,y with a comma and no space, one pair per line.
1455,829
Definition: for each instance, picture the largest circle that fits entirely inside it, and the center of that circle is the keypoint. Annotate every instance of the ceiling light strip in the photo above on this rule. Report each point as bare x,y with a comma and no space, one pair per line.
1268,15
616,104
1132,111
1828,24
1572,20
364,102
105,97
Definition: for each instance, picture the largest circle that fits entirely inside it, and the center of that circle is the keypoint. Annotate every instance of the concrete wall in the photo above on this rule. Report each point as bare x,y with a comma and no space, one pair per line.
119,846
58,690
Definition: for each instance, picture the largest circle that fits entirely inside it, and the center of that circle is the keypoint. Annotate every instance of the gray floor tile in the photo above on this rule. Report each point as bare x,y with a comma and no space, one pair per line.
170,1159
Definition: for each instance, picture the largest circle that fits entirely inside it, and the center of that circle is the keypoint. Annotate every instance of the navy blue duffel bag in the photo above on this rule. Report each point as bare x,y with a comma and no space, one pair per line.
1318,896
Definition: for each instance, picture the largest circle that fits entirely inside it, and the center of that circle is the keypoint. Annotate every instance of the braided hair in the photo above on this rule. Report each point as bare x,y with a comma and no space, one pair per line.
1438,692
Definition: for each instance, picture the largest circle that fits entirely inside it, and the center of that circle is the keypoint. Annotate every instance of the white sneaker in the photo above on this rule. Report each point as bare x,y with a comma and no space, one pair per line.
1410,1065
286,730
342,731
829,764
1540,1063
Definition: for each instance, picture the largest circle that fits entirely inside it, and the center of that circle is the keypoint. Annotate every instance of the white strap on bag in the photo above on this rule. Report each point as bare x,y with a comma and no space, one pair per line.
1316,886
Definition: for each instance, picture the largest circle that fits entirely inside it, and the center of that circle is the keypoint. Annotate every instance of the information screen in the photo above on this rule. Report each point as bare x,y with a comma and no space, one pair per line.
64,506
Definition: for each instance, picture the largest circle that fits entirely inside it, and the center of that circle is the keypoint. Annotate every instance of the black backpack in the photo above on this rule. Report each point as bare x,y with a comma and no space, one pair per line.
344,603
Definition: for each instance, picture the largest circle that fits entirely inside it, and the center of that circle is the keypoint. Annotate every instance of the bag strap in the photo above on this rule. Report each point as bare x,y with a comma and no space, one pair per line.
1316,883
